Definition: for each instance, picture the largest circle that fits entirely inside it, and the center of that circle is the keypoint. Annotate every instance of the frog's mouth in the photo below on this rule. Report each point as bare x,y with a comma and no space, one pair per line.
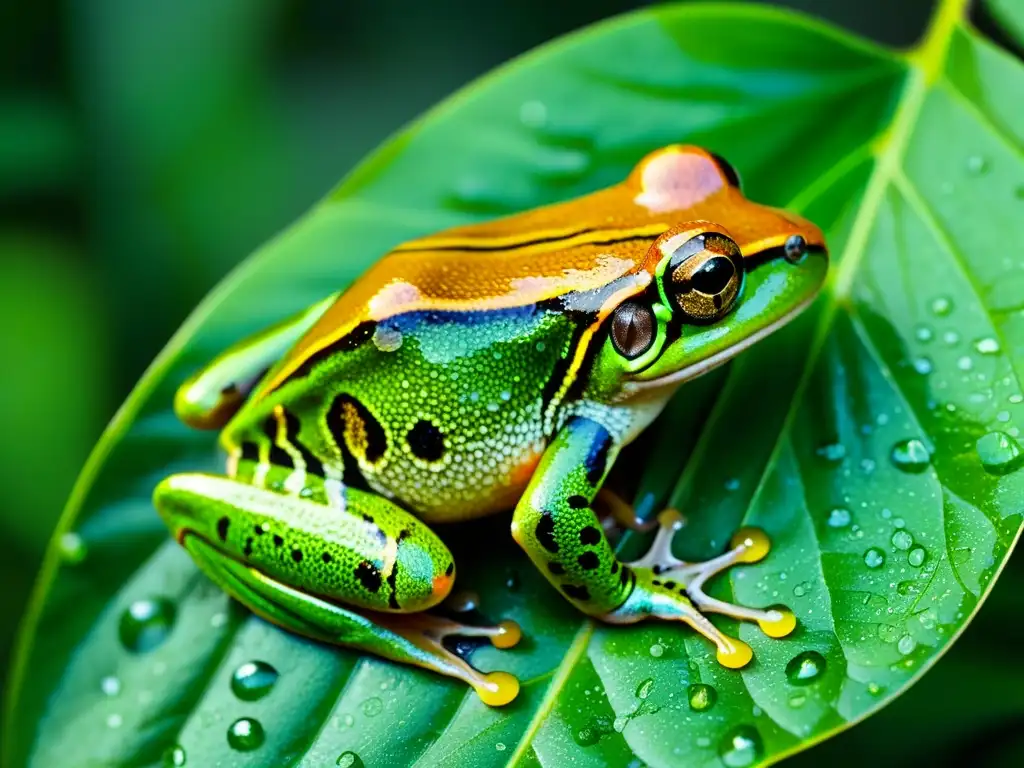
775,292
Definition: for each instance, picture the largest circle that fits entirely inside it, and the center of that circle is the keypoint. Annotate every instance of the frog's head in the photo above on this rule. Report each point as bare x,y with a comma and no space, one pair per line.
718,287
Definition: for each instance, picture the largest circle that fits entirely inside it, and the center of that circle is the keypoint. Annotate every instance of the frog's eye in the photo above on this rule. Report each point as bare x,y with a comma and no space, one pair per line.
633,329
727,170
704,276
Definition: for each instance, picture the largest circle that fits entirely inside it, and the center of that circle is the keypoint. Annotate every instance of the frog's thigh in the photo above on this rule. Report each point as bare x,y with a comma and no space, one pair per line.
556,525
216,519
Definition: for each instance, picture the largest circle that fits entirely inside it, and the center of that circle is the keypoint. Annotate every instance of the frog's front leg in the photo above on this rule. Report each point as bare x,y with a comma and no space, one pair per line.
359,577
555,524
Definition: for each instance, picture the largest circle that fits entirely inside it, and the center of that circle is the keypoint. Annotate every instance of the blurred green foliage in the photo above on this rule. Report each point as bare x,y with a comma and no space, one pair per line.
147,147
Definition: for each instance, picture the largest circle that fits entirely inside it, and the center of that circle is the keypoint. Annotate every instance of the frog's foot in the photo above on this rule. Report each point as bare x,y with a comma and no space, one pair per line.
672,589
427,634
614,511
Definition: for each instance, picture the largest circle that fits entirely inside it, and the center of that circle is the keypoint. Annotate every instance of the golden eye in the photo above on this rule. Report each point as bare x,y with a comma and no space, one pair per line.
633,329
704,276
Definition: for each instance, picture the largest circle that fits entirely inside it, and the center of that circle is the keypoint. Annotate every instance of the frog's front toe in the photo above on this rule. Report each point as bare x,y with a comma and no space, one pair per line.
673,589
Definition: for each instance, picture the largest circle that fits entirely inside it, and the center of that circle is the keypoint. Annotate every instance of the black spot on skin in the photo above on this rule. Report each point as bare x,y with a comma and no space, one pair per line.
373,433
624,575
326,557
258,530
278,541
657,569
588,561
545,532
425,441
247,550
450,569
578,502
403,534
682,591
250,451
352,340
297,555
313,464
556,568
615,566
596,461
222,528
279,457
368,518
368,575
589,535
655,582
577,593
670,585
393,597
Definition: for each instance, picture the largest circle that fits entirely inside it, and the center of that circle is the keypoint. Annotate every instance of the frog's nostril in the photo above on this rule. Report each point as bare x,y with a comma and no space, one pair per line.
795,249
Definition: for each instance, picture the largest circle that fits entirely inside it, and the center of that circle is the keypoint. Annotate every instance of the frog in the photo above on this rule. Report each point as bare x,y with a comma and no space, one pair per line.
495,367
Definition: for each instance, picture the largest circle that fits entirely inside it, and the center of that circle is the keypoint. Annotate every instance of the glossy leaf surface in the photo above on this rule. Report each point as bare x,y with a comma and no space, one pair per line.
881,454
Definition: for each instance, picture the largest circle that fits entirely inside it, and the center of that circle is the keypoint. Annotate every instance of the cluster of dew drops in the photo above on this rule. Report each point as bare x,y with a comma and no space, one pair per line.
145,624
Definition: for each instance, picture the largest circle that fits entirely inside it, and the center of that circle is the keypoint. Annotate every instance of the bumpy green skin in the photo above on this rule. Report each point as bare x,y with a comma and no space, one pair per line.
429,417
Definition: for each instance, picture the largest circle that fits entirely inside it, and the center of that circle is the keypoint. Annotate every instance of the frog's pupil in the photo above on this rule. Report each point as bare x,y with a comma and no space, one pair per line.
714,276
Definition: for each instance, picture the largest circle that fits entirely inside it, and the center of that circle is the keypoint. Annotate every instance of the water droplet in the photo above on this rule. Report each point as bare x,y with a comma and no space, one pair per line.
875,689
1018,398
741,747
797,700
462,602
246,734
902,540
732,484
916,557
175,757
802,588
942,306
114,720
906,645
702,697
987,346
533,114
928,618
146,624
887,633
373,706
924,334
500,746
805,668
387,338
874,558
110,685
910,456
965,363
644,689
512,580
839,517
587,737
72,548
832,452
657,650
1000,454
253,680
349,760
977,165
923,365
619,724
951,337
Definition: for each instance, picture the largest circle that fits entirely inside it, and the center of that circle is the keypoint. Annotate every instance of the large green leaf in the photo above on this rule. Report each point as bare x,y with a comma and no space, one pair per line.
875,439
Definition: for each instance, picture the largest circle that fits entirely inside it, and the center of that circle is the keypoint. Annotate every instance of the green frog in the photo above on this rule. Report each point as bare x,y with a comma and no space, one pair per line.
492,367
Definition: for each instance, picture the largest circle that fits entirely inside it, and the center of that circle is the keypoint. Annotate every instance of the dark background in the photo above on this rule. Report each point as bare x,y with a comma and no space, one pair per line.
147,146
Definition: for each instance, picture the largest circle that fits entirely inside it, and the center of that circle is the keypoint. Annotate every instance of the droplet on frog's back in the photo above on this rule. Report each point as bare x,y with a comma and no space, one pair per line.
145,624
246,734
741,747
253,680
1000,453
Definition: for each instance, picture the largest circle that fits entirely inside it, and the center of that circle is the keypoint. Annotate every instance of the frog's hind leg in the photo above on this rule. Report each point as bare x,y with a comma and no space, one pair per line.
416,638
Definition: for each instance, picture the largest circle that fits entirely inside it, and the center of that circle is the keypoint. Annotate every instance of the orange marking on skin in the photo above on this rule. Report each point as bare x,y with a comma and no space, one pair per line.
442,584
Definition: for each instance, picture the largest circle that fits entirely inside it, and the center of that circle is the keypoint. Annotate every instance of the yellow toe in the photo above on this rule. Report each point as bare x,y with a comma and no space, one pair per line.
498,689
753,542
780,623
508,635
736,655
